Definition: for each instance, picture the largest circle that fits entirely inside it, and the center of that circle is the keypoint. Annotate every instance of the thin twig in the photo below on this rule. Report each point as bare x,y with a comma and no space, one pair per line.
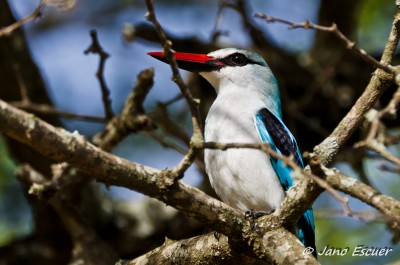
96,48
379,81
176,77
390,109
172,100
255,33
90,249
289,162
383,203
371,141
378,147
391,139
390,169
132,118
63,146
35,14
368,216
351,45
197,137
21,83
161,116
46,109
392,106
216,32
165,142
321,80
309,122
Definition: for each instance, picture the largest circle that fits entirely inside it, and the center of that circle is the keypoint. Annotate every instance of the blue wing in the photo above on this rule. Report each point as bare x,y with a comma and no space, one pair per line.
274,131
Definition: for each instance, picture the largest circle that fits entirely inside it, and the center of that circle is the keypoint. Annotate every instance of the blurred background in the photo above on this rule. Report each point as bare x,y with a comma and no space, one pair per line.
318,77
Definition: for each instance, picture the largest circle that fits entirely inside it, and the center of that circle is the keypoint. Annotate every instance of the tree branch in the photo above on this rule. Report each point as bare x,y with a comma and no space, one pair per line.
132,117
371,141
176,77
61,145
89,249
96,48
46,109
378,83
387,205
351,45
187,251
197,136
35,14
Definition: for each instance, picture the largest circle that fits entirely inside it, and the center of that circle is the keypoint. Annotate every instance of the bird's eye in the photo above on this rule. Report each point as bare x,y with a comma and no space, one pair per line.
238,59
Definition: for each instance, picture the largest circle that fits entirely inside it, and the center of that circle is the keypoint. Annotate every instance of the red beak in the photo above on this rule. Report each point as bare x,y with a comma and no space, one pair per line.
190,61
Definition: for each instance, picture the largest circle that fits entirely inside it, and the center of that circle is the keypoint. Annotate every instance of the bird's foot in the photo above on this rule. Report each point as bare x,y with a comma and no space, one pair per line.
216,235
257,214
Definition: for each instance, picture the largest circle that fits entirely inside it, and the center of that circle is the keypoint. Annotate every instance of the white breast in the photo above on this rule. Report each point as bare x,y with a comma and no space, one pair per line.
243,178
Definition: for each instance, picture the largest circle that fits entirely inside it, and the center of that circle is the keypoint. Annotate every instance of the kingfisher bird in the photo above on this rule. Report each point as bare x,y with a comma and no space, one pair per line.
247,110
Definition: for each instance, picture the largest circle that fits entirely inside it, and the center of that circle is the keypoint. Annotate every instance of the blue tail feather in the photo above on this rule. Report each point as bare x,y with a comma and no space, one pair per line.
306,230
273,131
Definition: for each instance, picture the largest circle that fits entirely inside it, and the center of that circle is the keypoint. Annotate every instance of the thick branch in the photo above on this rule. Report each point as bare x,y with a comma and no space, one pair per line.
188,251
378,83
61,145
387,205
88,247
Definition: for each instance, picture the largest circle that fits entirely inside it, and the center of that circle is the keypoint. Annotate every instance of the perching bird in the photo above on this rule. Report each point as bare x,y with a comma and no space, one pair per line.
247,110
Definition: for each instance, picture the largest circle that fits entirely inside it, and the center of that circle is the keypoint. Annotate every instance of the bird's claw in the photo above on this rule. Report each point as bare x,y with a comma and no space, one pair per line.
257,214
216,235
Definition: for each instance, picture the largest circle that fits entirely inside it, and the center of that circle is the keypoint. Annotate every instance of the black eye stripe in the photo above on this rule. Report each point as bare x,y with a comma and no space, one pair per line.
232,61
236,59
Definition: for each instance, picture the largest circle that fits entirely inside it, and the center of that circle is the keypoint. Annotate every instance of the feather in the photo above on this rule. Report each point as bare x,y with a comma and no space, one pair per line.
274,131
